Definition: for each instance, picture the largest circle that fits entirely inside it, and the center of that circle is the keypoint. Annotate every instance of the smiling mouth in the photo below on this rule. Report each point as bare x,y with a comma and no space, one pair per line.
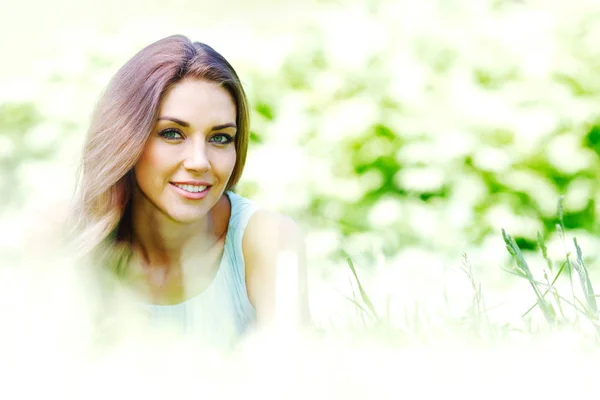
191,188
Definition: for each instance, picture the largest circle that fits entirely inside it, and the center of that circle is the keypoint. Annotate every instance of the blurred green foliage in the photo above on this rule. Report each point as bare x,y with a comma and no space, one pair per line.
17,147
437,149
436,123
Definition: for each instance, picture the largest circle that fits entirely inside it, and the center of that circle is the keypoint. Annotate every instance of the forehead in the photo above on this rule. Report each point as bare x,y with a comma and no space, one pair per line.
198,101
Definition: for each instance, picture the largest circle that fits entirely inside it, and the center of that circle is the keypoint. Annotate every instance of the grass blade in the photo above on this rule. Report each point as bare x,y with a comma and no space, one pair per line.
522,266
542,244
358,305
551,286
363,294
560,227
584,278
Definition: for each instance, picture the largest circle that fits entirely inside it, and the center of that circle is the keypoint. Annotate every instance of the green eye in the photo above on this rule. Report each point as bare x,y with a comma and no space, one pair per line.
221,138
170,134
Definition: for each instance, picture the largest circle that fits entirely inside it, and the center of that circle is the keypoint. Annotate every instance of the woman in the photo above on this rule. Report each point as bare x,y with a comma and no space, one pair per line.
166,147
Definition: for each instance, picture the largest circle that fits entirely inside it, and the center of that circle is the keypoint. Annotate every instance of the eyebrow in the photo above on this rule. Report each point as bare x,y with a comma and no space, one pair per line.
185,124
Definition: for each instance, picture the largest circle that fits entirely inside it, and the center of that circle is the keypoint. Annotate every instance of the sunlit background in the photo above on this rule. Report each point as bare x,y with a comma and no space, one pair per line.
402,134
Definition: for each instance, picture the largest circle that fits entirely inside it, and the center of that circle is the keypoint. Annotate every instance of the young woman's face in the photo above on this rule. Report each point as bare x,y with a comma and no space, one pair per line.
190,155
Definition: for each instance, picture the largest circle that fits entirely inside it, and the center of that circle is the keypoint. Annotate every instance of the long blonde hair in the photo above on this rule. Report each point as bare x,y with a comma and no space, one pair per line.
121,124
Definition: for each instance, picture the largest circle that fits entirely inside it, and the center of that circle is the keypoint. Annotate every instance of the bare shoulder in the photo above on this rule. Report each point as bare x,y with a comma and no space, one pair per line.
265,224
275,257
268,235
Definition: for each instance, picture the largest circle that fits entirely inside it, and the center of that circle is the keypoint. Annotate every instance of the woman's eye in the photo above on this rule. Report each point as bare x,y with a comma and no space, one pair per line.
221,139
170,134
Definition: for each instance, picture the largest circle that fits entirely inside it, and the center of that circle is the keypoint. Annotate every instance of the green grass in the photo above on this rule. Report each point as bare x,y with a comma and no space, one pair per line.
575,311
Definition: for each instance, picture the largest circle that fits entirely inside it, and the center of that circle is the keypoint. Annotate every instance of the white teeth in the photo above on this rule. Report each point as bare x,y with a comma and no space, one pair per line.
191,188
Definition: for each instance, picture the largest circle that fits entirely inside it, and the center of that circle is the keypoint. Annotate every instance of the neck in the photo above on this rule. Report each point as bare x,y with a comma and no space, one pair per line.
163,243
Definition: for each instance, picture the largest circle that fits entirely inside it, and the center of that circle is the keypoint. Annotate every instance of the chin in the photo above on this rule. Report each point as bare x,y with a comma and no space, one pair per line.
190,213
187,216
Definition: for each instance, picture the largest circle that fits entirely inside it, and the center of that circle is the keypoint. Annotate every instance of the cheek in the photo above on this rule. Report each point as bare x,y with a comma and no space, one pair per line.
147,170
229,161
223,163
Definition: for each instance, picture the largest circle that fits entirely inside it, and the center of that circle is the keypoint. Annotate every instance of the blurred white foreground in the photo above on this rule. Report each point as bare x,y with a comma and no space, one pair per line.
49,348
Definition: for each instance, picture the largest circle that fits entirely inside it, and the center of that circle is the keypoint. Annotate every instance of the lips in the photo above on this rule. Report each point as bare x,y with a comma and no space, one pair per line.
191,188
191,192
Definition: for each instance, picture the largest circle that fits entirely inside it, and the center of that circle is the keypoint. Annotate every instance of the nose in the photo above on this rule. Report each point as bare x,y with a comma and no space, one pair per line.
196,158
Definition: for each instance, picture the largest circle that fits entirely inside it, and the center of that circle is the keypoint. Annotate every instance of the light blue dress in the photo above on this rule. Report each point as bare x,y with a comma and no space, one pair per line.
222,313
